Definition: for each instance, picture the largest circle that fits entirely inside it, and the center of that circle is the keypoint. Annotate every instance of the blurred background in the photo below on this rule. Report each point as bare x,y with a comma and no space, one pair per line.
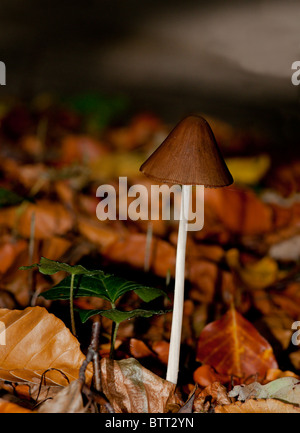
228,59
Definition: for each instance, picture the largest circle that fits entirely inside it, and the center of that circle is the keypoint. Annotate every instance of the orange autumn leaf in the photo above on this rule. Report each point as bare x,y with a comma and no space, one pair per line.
9,250
9,407
138,349
50,219
36,341
206,375
132,249
161,348
232,346
80,148
55,247
240,210
97,232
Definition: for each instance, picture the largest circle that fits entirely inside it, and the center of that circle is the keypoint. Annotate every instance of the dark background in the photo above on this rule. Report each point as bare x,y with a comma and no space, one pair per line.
230,59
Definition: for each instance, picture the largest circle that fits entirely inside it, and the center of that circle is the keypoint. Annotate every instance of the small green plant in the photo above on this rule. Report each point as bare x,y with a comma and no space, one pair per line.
83,282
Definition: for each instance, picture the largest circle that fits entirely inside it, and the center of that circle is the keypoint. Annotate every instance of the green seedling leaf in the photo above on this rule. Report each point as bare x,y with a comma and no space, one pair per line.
109,287
9,198
50,267
118,316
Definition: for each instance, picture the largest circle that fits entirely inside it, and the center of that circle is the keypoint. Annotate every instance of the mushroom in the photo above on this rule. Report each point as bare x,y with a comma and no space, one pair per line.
188,156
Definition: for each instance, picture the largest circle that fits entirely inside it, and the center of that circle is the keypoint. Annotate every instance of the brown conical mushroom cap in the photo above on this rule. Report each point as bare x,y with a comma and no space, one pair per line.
189,156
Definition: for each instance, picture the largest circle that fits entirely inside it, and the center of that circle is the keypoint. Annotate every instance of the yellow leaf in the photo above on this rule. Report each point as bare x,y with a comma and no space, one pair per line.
257,275
248,170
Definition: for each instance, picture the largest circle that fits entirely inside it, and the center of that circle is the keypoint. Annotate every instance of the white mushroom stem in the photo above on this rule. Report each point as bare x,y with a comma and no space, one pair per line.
175,341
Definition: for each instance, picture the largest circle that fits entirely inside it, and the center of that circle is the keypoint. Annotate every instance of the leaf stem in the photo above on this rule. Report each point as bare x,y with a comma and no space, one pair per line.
72,305
114,332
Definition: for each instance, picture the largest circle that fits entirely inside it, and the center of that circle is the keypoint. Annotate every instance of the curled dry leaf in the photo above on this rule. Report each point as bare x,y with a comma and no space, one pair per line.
35,342
217,395
131,388
258,406
68,400
234,347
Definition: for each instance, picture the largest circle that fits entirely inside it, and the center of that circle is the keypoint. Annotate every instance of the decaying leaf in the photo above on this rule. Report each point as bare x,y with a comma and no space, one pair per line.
258,406
68,400
286,389
212,395
132,388
37,341
234,347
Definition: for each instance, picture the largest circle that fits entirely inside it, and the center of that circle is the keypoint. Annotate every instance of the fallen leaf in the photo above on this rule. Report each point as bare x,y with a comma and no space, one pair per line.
161,348
9,250
286,389
50,219
68,400
132,248
234,347
212,395
257,275
9,407
205,375
97,232
138,349
248,170
276,373
245,213
37,341
258,406
131,388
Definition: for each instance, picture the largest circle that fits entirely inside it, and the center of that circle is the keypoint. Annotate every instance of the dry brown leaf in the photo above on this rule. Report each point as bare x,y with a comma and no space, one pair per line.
35,342
217,396
131,388
68,400
234,347
258,406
